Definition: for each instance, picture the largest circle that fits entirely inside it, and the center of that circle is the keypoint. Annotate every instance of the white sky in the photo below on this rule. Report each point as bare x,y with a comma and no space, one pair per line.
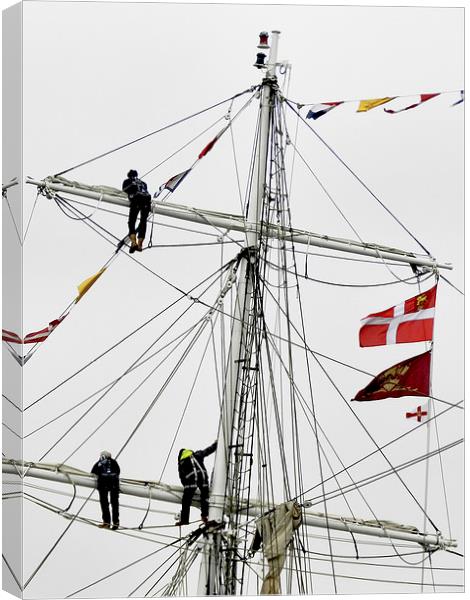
99,74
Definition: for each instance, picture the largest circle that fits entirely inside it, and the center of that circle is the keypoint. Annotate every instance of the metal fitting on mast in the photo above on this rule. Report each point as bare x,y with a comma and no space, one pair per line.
271,65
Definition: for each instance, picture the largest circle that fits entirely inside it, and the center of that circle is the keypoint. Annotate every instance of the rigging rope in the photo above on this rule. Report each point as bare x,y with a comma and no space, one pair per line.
56,543
288,223
398,438
379,449
181,148
5,197
88,410
101,389
327,193
359,180
442,472
179,423
31,216
350,285
143,137
12,572
378,476
12,403
140,327
452,285
130,256
219,135
121,569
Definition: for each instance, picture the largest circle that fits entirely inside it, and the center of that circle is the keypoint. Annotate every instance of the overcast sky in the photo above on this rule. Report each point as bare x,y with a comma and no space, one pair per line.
97,75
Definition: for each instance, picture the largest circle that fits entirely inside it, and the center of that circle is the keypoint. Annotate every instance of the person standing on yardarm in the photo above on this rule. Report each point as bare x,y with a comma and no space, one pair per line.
139,202
193,475
107,471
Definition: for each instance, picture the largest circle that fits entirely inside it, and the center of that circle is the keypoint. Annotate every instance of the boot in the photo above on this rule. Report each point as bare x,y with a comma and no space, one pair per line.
104,526
133,247
115,526
140,241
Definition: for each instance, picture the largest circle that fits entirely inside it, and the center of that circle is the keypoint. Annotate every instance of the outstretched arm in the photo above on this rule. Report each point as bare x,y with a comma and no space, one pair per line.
212,448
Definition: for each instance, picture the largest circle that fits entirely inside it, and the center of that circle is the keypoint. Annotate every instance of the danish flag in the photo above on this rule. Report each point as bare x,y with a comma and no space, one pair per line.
409,321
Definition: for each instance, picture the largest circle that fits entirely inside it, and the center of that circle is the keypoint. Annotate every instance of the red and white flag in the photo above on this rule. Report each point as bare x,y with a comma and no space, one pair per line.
10,336
422,98
409,321
421,414
43,334
212,143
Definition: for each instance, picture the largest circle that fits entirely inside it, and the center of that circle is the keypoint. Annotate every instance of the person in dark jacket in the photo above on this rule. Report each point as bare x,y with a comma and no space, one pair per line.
140,201
193,475
107,471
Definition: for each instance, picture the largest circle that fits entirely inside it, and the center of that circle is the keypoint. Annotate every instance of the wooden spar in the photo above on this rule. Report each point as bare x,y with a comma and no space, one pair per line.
237,223
173,494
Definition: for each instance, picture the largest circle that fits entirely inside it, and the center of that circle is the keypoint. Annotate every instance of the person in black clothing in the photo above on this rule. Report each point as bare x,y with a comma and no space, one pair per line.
139,200
193,475
107,470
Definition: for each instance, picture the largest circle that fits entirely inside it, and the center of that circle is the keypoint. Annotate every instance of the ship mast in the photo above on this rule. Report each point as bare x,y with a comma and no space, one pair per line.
240,349
218,575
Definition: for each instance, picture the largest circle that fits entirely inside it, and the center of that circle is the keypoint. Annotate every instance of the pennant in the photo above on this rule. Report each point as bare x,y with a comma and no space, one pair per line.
172,183
86,285
212,143
407,378
420,414
365,105
461,99
318,110
10,336
409,321
423,98
42,335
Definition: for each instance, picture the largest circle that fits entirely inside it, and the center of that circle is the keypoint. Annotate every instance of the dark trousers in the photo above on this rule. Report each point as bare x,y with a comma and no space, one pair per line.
141,205
104,502
188,494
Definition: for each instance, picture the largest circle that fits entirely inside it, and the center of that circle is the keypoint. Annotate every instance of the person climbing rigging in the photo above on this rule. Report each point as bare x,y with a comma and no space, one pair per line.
193,475
140,201
107,471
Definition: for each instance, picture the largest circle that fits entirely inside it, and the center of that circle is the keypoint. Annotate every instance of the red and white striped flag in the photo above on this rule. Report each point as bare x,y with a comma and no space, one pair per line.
409,321
43,334
10,336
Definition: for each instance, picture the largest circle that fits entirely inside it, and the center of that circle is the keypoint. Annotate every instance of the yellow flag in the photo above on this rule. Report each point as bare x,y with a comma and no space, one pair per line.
365,105
86,285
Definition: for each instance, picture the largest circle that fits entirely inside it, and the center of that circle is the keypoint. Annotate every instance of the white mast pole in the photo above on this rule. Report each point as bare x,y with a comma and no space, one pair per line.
243,313
243,296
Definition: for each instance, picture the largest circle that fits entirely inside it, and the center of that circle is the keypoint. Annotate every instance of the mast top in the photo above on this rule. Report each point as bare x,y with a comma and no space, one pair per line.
261,56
